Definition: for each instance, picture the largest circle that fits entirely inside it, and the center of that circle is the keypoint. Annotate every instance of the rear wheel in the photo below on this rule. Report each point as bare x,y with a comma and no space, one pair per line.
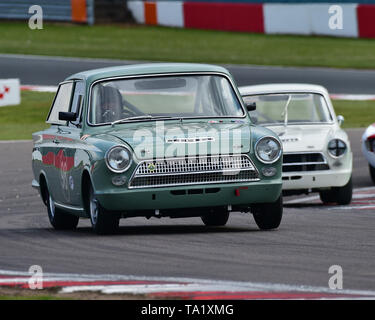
268,215
340,195
372,173
58,218
216,217
102,222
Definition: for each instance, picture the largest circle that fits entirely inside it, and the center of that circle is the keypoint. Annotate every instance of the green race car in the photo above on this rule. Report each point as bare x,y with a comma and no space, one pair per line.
155,140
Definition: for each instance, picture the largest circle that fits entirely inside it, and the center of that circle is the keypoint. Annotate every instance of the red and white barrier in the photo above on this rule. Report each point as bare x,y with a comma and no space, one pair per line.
308,19
170,13
279,18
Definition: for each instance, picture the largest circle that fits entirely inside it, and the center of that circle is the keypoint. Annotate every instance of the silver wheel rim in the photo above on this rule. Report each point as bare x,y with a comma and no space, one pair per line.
93,209
51,207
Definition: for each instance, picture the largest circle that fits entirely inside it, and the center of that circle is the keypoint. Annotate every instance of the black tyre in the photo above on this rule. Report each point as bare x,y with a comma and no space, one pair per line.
340,195
268,215
344,194
58,218
216,217
102,221
327,196
372,173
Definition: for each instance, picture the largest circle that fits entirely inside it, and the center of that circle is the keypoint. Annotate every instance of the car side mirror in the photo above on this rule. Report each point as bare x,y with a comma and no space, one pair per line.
251,106
340,120
67,116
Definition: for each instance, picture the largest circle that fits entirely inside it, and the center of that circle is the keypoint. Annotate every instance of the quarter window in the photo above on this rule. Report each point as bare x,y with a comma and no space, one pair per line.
77,100
61,103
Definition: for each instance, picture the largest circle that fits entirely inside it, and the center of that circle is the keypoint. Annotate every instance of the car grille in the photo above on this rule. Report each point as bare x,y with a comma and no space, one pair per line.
293,162
193,170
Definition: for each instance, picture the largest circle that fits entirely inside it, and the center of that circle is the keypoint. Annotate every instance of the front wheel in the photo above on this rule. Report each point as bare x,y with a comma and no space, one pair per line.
340,195
372,173
59,219
268,215
102,222
216,217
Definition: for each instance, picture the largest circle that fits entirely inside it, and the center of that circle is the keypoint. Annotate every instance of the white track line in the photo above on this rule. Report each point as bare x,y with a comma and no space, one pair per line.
38,88
312,198
355,97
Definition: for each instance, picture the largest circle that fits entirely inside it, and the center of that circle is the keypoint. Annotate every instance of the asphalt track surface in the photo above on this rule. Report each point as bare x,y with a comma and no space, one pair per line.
37,70
311,238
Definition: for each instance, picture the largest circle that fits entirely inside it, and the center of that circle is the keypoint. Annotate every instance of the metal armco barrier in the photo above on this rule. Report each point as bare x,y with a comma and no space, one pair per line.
81,11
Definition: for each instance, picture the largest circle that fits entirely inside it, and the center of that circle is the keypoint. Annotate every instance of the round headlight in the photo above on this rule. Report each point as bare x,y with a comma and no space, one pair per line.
268,150
118,159
337,147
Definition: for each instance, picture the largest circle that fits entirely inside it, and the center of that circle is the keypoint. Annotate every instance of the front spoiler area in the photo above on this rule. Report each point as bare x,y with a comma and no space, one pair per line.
316,179
196,196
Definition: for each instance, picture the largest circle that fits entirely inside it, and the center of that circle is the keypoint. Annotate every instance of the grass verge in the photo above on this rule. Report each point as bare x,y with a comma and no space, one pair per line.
19,122
16,293
356,113
188,45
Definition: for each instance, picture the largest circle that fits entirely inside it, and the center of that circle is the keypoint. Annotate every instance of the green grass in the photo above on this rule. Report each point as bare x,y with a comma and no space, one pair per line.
19,122
175,44
357,114
29,298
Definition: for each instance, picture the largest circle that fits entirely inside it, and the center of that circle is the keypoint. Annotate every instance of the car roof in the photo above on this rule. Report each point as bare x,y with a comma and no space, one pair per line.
145,69
282,87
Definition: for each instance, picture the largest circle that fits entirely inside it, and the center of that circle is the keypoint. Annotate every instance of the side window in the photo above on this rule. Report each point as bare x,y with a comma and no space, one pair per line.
61,103
77,102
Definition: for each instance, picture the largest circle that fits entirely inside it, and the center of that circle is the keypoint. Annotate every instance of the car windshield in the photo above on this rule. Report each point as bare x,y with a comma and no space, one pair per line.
289,108
189,96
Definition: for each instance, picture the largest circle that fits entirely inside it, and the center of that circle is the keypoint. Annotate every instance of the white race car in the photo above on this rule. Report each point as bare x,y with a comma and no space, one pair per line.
368,148
317,153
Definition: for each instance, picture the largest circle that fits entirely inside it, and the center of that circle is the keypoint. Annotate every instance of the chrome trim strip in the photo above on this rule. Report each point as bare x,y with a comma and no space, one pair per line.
195,183
67,207
302,163
194,172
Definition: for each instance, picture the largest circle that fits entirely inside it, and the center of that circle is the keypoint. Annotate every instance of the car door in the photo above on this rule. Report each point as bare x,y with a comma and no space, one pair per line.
70,147
56,160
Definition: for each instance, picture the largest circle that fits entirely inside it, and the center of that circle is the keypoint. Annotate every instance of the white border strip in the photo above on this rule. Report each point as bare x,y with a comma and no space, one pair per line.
188,283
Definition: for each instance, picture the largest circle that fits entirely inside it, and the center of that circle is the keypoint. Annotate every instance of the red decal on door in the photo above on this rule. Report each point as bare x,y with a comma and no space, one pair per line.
60,161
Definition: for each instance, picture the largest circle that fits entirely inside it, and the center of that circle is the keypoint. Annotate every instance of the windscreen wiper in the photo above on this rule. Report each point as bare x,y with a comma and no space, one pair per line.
145,116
